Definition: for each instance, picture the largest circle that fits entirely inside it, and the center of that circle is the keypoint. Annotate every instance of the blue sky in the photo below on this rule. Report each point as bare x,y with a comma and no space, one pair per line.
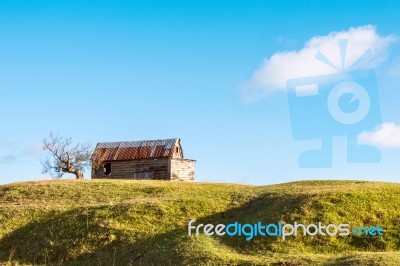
131,70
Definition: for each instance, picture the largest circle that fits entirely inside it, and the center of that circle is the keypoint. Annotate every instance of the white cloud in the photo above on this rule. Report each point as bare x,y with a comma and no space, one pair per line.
34,150
8,159
281,66
386,136
5,144
12,152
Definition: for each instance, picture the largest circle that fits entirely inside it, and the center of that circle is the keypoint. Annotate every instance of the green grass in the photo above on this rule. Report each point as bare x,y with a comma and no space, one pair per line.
108,222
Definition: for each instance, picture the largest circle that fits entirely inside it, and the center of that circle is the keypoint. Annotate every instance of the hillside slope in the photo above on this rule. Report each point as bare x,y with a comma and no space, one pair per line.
145,222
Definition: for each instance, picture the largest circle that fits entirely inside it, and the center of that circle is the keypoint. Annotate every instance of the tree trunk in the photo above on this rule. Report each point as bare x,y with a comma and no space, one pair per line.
79,175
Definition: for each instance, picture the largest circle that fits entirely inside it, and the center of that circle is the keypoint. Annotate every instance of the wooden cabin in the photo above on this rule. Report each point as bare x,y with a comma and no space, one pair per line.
146,159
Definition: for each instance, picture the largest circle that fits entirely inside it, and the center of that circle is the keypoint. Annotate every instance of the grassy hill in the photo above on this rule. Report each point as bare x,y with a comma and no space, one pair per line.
145,222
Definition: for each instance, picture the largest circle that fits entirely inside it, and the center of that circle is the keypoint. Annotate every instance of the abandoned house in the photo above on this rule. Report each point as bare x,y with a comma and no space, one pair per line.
148,159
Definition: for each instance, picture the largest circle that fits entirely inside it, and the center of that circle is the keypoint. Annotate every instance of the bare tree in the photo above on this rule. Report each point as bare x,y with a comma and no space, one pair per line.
66,157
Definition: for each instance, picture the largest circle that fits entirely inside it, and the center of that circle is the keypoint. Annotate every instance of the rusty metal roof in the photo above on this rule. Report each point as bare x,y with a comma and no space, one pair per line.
131,150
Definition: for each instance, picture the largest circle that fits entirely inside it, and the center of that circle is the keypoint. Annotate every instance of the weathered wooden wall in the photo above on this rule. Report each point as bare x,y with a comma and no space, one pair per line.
182,170
163,168
137,169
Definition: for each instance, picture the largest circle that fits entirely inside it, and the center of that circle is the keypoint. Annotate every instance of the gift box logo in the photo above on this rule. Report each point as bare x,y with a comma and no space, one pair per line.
345,103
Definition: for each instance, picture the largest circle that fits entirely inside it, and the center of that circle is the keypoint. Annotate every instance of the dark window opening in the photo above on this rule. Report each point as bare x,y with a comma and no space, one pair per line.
107,169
